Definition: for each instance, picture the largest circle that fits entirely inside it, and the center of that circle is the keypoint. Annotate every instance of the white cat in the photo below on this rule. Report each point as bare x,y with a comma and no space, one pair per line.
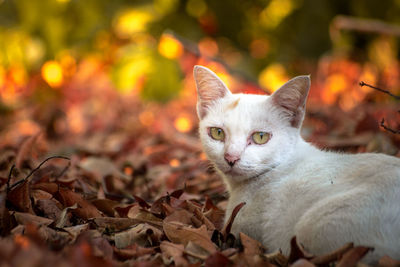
291,188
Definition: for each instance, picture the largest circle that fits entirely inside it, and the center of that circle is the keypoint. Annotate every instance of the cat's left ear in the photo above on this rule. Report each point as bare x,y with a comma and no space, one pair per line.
209,89
292,97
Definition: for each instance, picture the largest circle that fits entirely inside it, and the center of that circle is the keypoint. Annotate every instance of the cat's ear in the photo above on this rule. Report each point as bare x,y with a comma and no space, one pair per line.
292,97
209,88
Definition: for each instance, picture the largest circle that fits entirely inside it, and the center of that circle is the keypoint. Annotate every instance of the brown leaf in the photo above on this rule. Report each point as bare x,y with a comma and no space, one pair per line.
5,218
217,259
250,245
181,234
76,230
27,218
177,193
51,188
297,251
111,224
85,209
333,256
227,228
351,257
133,251
196,211
124,210
20,197
387,261
48,208
144,216
175,251
139,234
106,206
62,220
277,258
142,202
181,215
214,214
194,250
25,149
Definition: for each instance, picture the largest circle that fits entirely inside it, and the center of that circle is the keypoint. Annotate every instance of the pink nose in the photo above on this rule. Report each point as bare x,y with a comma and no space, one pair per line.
231,159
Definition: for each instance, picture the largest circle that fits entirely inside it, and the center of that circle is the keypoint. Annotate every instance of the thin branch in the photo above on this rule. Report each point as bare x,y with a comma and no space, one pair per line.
387,128
380,90
37,168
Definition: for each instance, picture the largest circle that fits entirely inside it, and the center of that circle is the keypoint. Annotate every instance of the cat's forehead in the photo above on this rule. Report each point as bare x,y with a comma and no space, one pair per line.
244,111
243,101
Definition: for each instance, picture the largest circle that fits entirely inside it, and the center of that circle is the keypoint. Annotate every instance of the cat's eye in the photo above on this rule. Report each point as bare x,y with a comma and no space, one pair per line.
260,137
217,133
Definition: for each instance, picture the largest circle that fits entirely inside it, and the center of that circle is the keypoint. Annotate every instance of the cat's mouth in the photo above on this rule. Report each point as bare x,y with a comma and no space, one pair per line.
235,172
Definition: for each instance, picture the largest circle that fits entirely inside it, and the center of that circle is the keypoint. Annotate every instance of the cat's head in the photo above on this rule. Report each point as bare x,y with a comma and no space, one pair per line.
247,135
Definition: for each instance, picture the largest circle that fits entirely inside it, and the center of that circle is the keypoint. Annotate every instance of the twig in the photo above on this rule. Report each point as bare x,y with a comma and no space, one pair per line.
380,90
37,168
9,177
387,128
382,124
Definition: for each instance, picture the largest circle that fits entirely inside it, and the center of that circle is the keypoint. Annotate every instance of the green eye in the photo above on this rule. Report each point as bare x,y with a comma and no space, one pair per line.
260,137
217,133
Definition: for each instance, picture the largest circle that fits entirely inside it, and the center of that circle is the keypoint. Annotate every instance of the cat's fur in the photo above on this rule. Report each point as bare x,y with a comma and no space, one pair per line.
290,187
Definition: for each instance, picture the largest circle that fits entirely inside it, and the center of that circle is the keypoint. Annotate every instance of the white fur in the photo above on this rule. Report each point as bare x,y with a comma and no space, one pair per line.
291,188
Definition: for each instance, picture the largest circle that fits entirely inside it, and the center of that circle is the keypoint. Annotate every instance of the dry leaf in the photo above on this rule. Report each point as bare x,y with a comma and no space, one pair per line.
351,257
217,259
139,234
25,149
181,234
333,256
227,228
175,251
27,218
111,225
20,197
85,209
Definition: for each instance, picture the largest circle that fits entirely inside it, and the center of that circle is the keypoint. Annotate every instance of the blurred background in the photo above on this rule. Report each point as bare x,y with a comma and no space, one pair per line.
75,68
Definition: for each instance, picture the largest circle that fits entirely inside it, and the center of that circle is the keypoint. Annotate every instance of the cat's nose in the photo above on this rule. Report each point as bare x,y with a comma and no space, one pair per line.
231,159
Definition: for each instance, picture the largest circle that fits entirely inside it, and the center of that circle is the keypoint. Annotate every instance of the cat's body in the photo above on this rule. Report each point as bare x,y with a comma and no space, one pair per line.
290,187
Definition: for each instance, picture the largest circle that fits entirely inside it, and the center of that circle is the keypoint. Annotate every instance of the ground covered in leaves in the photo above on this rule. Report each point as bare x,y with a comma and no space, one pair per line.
111,181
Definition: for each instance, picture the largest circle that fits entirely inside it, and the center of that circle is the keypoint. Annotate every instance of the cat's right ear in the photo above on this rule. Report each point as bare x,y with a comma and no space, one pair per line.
209,89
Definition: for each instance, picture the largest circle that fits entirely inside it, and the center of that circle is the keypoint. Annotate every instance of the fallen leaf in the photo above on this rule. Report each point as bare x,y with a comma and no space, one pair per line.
175,251
297,251
106,206
62,219
27,218
387,261
25,149
103,167
333,256
351,257
111,225
181,234
85,209
5,218
227,228
194,250
133,251
20,197
217,259
48,208
139,234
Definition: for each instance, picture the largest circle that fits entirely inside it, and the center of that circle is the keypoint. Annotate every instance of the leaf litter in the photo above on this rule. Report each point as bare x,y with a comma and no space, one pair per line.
144,195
